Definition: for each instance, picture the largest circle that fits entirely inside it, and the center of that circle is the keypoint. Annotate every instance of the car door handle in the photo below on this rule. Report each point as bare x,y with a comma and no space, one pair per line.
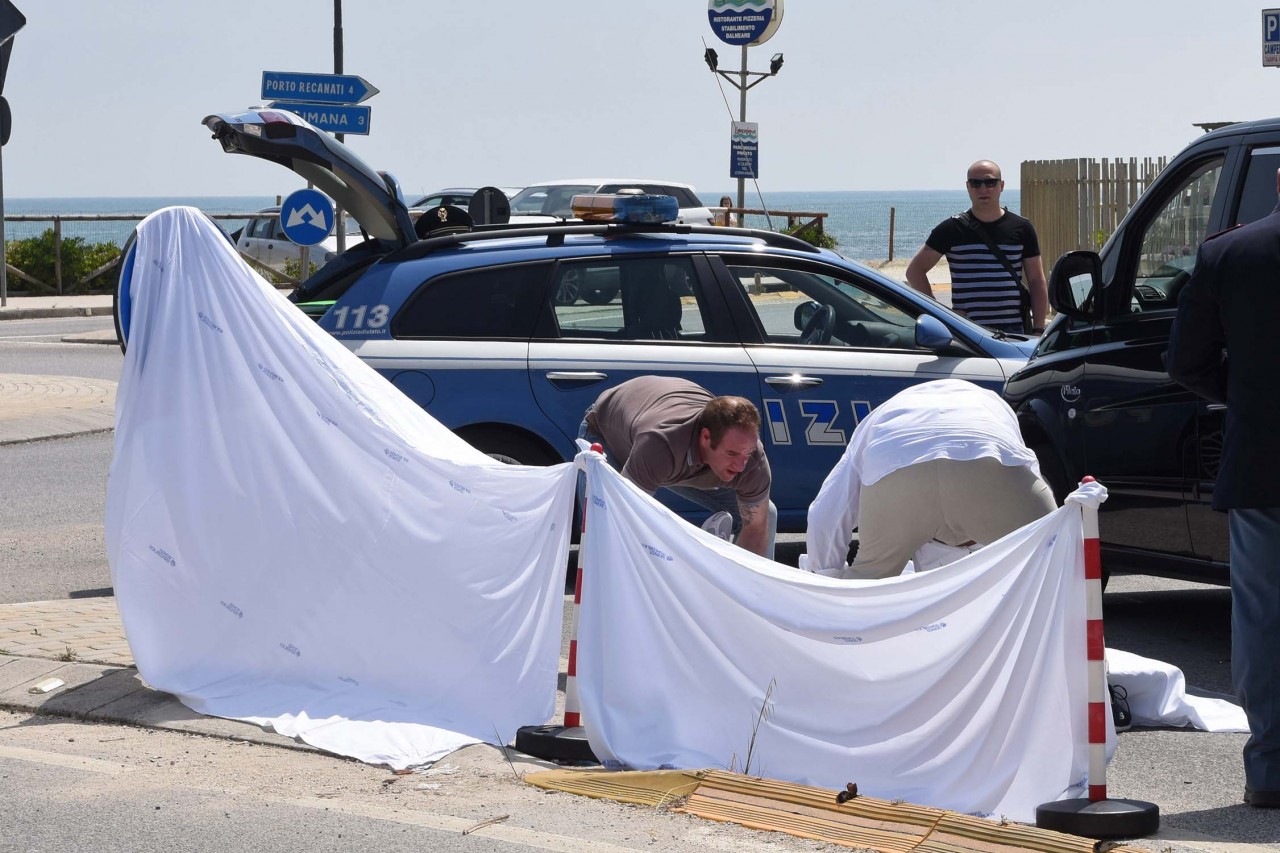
576,377
794,382
1216,407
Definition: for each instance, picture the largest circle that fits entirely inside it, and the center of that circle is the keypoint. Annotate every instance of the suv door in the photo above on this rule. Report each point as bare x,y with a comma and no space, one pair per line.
1255,199
1138,426
817,381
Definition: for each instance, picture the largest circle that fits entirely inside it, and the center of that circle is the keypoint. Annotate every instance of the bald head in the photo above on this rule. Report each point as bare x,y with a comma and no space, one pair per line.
984,169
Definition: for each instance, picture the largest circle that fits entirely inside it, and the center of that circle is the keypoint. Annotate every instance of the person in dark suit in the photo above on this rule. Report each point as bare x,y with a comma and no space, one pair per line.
1230,305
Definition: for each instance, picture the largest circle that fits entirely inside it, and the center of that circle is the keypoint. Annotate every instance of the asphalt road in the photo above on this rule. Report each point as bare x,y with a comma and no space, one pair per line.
52,500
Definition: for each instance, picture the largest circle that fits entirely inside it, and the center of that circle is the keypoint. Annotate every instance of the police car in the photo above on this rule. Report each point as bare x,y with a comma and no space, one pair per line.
466,321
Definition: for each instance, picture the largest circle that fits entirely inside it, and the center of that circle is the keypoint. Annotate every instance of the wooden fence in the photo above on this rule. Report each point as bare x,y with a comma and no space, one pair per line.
1076,204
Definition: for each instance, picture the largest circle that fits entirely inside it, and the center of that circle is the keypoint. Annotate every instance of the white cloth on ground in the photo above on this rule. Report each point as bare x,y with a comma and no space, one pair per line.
962,688
943,419
293,541
1157,696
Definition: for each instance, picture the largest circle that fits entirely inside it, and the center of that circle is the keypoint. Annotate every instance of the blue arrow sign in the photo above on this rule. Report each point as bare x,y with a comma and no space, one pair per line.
306,217
335,119
316,88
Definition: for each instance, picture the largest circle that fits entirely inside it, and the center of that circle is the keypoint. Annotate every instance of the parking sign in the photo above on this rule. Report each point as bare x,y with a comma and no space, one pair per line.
1271,37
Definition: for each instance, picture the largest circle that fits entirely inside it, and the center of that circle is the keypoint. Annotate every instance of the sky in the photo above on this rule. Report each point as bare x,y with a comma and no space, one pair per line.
108,96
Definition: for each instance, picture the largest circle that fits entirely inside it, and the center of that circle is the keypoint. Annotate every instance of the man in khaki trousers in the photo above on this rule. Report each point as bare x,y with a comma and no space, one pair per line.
940,462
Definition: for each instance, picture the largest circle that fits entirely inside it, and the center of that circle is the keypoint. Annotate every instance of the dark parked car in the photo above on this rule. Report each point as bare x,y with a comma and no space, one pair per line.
1095,398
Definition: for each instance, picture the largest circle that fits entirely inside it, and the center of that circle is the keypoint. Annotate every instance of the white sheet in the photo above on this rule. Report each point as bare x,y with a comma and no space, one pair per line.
1157,696
962,688
293,541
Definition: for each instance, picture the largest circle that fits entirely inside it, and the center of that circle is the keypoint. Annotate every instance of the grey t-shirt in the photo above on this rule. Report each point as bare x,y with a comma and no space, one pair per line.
650,426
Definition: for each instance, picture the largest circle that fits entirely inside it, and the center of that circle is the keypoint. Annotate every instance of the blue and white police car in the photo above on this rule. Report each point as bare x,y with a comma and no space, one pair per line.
475,326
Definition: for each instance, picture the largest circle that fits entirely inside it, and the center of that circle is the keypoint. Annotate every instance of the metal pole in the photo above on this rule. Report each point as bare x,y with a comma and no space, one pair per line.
742,116
339,220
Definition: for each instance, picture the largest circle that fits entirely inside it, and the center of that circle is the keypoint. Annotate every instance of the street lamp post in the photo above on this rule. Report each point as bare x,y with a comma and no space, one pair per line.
742,81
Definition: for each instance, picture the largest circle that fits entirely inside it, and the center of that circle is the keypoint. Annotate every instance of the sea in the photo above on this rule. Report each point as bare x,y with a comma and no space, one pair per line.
858,220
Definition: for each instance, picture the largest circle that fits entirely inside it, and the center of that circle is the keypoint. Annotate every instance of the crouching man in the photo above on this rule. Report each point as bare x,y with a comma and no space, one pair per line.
665,432
941,461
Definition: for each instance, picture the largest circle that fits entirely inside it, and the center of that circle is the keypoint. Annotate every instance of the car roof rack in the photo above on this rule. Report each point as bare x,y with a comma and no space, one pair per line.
556,232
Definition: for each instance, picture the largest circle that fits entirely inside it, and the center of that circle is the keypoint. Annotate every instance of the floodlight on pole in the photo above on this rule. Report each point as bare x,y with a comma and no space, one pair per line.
711,58
775,64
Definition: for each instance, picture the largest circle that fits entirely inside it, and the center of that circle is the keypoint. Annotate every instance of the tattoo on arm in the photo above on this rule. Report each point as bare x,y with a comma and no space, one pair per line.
749,512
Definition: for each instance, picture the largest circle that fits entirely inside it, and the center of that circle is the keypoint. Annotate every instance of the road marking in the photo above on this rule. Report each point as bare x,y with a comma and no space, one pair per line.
449,823
1207,843
55,759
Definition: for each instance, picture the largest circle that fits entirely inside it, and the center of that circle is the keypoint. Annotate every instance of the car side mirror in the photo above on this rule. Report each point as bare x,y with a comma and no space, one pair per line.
931,333
1075,285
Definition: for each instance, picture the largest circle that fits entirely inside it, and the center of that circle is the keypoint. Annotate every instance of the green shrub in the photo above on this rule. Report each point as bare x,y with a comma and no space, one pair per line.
35,256
812,236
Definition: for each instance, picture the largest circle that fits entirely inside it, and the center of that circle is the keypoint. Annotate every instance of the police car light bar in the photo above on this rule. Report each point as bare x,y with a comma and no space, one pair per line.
630,208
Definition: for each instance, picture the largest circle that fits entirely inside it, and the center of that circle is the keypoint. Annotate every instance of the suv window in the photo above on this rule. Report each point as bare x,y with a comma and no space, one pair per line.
1258,196
261,227
497,302
1172,238
629,299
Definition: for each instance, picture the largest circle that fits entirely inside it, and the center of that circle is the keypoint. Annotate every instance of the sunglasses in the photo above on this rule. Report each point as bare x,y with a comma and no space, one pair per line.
989,183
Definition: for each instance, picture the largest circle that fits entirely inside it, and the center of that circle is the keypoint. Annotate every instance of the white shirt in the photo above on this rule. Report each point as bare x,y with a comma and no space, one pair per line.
946,419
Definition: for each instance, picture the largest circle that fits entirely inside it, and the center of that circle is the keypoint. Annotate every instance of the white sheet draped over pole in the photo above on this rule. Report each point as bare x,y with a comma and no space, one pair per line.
294,542
962,688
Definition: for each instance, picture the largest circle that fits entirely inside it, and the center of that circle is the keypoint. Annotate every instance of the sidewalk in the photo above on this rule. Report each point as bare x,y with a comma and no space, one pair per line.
40,307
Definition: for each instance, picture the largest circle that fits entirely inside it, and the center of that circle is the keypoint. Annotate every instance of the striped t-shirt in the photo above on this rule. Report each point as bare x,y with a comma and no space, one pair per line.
981,288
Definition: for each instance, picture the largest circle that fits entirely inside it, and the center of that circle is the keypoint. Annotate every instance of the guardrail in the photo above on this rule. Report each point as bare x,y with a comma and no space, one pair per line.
117,234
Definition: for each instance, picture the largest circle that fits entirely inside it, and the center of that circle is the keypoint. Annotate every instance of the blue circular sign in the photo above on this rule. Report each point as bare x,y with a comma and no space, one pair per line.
742,21
306,217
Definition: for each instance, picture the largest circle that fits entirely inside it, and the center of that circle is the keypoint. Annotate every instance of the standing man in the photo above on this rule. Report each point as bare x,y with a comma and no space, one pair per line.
666,432
988,249
942,461
1228,305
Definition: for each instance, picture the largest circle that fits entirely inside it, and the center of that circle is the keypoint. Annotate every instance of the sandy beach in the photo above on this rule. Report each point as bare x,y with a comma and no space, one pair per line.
939,276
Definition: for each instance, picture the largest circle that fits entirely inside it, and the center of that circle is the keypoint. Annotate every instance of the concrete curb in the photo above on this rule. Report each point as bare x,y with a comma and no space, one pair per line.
46,313
114,694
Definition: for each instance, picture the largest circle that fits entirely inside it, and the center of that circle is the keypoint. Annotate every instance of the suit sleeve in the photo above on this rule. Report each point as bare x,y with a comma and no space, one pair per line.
1197,345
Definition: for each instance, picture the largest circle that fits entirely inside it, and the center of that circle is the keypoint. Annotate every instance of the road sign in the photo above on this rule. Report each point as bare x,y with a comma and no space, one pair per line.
744,150
741,22
316,88
333,118
1271,37
306,217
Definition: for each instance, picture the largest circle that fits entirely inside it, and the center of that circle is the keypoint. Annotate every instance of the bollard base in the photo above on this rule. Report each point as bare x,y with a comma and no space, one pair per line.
555,743
1100,818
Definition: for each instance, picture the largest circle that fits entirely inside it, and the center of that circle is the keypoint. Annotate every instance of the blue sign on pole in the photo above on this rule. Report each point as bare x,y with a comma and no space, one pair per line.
744,150
306,217
331,117
1270,37
316,88
741,22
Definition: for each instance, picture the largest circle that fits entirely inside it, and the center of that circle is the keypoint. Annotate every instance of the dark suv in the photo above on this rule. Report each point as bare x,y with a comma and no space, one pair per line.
1095,397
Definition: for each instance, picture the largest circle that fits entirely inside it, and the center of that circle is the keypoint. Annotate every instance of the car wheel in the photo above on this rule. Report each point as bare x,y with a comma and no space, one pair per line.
1056,479
569,289
512,448
602,296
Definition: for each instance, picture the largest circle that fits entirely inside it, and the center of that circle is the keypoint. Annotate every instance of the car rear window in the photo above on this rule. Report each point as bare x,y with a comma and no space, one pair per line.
495,302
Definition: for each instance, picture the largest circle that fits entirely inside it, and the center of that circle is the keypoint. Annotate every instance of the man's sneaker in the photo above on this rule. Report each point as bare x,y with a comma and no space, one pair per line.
720,524
1120,708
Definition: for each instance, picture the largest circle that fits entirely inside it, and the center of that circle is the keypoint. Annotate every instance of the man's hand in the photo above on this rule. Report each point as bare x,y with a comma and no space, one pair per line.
754,535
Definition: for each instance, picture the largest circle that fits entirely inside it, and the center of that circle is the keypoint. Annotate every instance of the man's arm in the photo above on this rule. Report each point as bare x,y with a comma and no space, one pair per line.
918,270
1196,358
1039,287
754,535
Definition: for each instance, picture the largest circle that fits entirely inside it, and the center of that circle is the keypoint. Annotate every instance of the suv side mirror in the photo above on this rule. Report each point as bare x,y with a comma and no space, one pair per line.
1075,285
